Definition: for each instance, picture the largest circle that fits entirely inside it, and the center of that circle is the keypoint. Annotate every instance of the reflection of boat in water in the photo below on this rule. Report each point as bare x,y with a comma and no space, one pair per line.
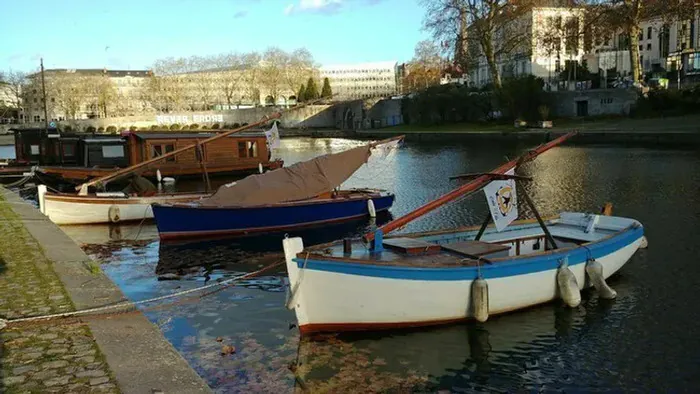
180,257
426,360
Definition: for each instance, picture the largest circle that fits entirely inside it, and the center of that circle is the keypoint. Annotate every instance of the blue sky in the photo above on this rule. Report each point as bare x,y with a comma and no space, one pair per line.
132,34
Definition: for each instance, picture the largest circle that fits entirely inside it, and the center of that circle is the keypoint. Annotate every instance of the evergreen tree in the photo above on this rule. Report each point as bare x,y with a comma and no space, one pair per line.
311,90
301,96
326,91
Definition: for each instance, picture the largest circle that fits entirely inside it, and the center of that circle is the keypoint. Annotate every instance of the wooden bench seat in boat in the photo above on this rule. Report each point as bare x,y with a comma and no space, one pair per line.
411,246
474,249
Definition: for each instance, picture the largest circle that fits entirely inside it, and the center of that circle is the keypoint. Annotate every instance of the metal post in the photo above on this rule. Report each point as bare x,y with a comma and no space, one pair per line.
547,234
487,219
43,89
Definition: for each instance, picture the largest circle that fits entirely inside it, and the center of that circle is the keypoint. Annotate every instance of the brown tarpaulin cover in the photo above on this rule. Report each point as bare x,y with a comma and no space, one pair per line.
299,181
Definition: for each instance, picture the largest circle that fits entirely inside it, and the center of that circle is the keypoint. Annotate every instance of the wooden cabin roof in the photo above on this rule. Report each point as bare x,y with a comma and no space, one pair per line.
147,136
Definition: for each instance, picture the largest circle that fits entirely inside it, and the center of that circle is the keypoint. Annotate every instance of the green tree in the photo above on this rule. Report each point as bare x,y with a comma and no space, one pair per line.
326,91
301,96
311,92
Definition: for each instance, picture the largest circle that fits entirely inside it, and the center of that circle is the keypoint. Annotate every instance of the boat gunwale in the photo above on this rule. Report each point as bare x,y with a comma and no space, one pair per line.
362,195
303,257
126,200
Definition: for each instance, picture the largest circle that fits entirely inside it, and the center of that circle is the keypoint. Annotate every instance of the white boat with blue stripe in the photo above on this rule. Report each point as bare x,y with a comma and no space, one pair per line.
403,287
453,275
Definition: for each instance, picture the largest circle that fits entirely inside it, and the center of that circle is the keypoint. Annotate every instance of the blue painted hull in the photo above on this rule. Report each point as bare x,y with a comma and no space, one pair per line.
181,221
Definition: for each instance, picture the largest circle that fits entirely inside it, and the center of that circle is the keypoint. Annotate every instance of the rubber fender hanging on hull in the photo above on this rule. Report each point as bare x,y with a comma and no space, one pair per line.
113,214
370,208
480,300
594,270
568,287
644,244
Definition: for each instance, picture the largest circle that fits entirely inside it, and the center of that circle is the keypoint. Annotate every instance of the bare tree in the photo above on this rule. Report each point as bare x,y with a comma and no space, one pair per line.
272,71
299,67
230,72
425,68
16,82
500,27
251,77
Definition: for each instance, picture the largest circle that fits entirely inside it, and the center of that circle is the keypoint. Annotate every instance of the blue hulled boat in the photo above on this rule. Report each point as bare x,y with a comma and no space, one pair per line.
301,196
189,220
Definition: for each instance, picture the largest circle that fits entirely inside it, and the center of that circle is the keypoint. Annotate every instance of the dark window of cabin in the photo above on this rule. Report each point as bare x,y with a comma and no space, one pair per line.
252,148
161,149
112,151
68,150
247,149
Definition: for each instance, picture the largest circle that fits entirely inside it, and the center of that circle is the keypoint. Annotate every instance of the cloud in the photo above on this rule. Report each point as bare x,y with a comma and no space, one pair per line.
240,14
326,7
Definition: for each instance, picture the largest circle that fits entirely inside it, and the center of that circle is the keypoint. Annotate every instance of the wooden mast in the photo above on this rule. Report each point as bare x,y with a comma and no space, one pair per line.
117,174
470,187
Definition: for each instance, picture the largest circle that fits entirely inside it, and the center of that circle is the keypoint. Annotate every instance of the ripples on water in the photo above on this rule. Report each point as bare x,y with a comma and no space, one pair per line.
647,339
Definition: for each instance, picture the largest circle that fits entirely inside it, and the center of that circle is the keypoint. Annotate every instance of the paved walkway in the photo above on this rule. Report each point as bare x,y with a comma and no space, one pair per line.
41,358
43,271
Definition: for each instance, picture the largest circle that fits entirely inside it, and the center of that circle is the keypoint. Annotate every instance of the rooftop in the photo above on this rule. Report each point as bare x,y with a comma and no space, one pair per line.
97,71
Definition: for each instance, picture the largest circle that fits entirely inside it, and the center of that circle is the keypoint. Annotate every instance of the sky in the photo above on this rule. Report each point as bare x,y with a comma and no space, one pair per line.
130,34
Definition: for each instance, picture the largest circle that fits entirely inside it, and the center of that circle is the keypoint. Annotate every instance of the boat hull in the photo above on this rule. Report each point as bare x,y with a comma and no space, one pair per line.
73,209
177,222
339,296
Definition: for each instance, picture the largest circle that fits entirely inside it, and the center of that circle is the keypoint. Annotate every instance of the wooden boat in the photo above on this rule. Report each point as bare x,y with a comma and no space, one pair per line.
299,196
109,207
189,220
77,157
446,276
91,206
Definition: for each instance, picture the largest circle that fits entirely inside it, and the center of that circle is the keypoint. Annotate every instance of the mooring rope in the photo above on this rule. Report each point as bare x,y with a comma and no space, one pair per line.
229,282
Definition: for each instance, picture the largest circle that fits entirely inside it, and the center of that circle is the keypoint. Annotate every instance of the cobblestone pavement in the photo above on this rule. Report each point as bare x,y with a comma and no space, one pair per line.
41,358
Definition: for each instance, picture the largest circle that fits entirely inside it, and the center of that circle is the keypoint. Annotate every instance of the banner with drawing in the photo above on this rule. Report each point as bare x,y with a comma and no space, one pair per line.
503,201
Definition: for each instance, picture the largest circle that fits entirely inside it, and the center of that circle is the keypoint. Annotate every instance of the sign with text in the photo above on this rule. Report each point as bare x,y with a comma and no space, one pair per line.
503,201
189,119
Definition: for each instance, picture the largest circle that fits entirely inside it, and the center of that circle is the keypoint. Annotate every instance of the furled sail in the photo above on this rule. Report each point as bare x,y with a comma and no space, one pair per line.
299,181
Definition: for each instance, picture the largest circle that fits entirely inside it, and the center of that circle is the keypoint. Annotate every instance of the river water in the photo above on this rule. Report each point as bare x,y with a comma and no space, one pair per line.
647,339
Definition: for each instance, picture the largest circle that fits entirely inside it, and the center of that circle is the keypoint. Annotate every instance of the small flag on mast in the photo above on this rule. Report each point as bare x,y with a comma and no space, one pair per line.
503,201
273,136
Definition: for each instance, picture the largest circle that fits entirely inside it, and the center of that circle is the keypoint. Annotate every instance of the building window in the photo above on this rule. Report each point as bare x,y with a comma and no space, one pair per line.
37,118
649,33
648,47
161,149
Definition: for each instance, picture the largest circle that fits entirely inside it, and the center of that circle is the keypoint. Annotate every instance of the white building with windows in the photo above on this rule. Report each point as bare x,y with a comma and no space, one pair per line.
550,40
362,80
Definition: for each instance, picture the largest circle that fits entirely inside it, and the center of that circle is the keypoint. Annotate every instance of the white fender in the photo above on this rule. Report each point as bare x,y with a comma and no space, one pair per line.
568,287
594,270
159,177
41,192
480,300
371,209
113,214
644,244
168,180
260,168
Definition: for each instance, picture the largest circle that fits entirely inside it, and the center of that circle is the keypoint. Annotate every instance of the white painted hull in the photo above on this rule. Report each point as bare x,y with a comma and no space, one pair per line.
67,210
330,301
